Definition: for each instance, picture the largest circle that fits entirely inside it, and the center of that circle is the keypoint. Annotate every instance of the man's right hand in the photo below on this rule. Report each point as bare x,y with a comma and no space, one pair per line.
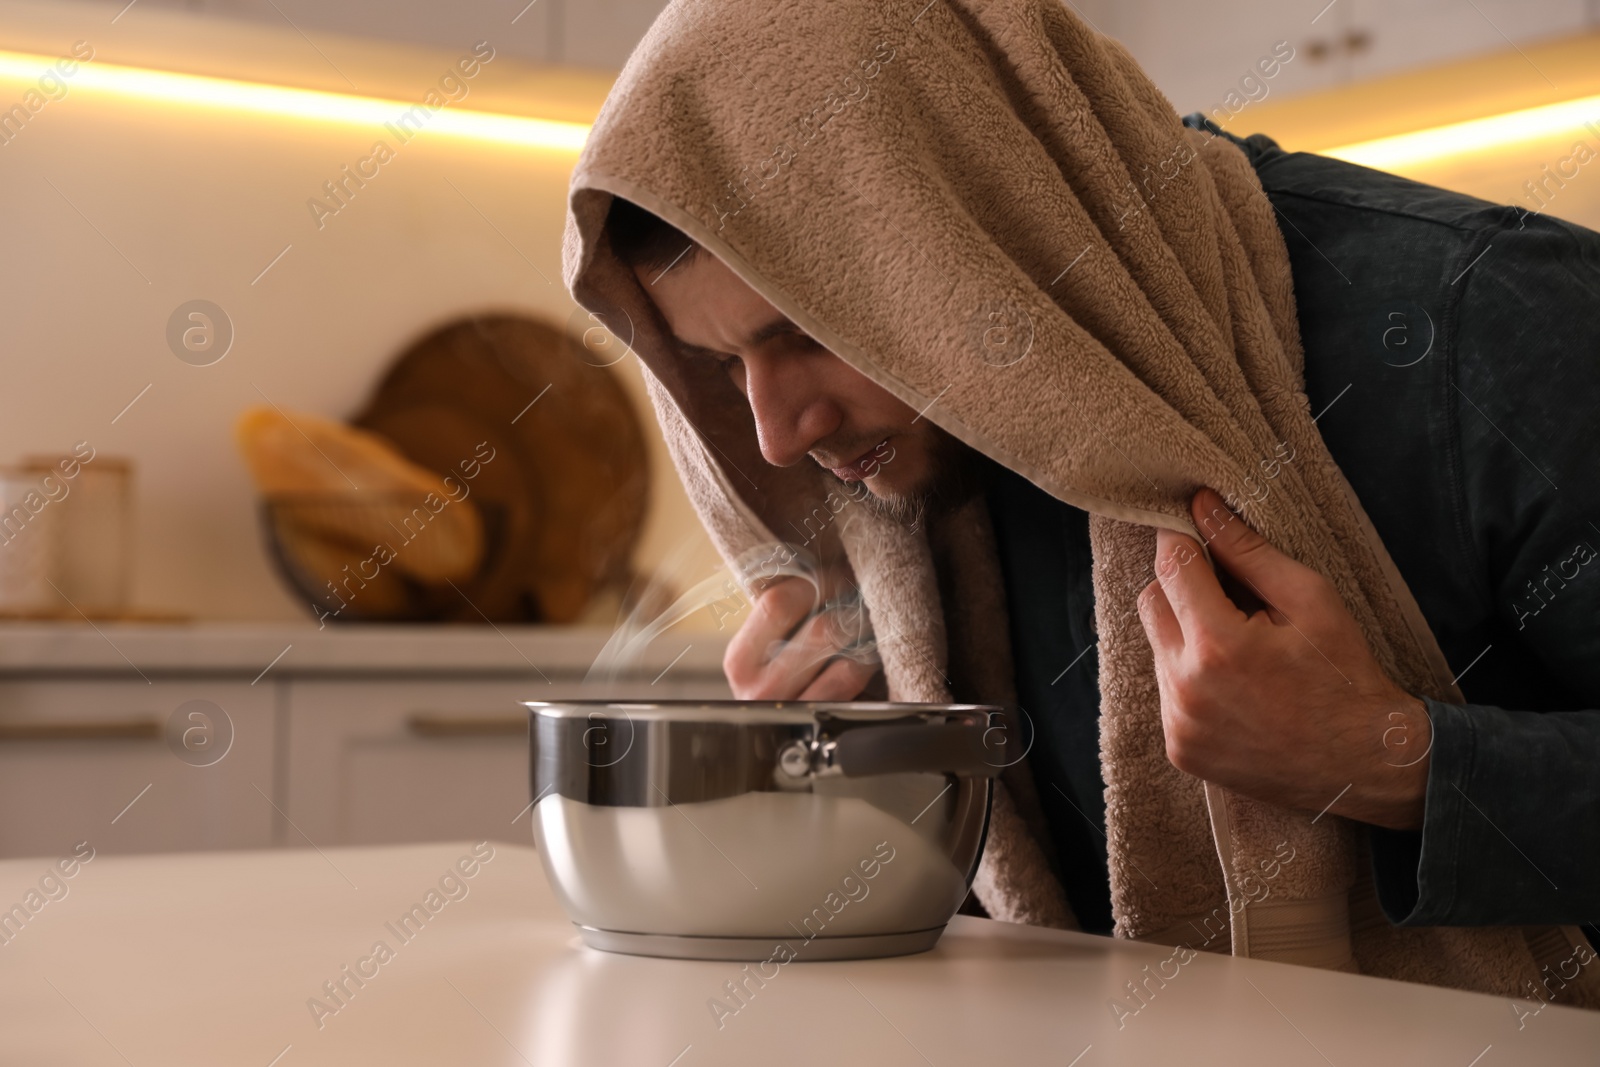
764,662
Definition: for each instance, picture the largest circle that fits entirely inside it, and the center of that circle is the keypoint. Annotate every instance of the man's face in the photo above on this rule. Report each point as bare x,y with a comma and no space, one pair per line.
806,400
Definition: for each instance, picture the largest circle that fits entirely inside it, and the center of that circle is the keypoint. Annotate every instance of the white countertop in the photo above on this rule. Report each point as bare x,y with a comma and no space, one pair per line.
239,648
211,959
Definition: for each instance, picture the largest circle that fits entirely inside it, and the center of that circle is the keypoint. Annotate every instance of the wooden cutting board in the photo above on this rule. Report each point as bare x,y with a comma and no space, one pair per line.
567,478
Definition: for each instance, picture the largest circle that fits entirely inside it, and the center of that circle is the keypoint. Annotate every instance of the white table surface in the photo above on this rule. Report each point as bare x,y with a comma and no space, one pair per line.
211,958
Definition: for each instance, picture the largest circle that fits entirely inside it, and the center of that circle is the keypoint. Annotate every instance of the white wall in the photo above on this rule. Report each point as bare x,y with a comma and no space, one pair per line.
117,211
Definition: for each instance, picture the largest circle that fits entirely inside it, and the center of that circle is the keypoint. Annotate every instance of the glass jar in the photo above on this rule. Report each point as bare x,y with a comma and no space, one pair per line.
30,545
94,499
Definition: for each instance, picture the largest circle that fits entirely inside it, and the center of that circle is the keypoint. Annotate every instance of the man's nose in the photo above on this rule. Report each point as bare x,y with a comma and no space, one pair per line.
792,410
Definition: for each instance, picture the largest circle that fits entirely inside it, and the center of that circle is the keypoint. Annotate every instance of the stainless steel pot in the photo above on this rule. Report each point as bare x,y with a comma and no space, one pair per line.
750,830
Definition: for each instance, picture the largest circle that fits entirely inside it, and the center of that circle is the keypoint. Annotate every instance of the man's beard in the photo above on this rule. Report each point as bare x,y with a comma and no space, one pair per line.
952,480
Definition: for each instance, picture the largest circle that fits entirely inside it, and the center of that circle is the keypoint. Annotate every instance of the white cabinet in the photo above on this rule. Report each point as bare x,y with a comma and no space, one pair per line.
90,761
379,762
1401,34
1226,55
349,735
1199,55
383,762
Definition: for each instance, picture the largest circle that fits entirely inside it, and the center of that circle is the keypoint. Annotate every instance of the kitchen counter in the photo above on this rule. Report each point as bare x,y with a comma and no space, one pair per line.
126,649
216,958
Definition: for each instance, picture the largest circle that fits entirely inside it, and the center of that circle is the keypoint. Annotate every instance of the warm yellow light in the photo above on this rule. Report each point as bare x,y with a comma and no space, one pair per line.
1475,135
318,106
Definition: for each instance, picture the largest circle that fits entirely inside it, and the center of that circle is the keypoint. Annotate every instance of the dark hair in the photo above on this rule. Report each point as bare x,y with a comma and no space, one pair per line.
643,239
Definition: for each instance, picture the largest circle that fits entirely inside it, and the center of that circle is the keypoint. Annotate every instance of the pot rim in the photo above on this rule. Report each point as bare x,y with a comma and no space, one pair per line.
749,712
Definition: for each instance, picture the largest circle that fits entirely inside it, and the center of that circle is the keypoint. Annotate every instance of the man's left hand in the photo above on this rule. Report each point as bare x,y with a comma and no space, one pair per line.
1284,703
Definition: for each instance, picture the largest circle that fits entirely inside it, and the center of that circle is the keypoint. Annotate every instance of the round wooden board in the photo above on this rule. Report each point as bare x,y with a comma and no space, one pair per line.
550,439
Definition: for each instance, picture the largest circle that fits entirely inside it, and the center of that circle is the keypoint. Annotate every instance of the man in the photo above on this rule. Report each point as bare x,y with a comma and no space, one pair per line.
1450,360
1497,819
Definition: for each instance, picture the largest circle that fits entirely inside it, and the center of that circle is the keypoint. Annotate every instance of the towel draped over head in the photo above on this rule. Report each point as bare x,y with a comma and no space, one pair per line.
987,208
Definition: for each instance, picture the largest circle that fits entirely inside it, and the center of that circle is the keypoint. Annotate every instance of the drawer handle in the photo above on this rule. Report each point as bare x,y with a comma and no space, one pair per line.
105,730
426,724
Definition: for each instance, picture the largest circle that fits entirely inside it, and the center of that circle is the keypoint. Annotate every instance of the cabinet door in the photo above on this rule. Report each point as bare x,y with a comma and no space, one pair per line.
1225,57
428,760
1200,56
1403,34
135,767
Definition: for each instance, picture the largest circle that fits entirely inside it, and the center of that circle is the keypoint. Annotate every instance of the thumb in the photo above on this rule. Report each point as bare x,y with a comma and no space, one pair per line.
1243,553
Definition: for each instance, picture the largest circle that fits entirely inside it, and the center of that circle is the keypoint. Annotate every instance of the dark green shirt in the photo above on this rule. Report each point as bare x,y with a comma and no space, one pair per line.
1452,351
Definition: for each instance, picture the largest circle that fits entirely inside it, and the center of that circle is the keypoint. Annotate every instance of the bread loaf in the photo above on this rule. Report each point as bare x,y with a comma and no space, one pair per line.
355,489
338,573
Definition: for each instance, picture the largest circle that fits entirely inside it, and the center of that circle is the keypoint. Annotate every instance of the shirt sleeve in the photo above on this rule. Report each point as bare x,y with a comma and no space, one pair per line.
1511,834
1511,831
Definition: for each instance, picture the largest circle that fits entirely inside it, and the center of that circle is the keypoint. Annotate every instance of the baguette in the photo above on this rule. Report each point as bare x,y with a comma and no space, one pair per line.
366,492
338,571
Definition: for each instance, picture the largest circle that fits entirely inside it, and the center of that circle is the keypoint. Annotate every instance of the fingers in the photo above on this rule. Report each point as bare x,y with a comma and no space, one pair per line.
777,610
765,661
1160,624
775,613
1190,585
794,663
1241,551
843,679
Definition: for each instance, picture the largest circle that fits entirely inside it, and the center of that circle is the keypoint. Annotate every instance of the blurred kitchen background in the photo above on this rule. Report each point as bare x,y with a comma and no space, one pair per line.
238,340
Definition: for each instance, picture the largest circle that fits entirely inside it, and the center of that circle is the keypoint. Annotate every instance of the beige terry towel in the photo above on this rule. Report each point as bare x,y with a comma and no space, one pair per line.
987,208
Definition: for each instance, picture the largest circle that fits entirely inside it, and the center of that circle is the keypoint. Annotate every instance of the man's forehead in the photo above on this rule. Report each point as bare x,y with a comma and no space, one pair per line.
750,336
701,296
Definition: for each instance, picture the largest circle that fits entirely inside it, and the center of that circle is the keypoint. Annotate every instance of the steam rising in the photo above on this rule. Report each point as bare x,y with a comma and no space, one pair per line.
728,592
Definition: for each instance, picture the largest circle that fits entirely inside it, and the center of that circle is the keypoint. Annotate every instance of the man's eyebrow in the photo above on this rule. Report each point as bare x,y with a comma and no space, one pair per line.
694,350
780,325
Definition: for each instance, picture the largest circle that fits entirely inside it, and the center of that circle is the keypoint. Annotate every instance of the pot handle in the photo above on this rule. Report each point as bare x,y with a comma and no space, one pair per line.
948,748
